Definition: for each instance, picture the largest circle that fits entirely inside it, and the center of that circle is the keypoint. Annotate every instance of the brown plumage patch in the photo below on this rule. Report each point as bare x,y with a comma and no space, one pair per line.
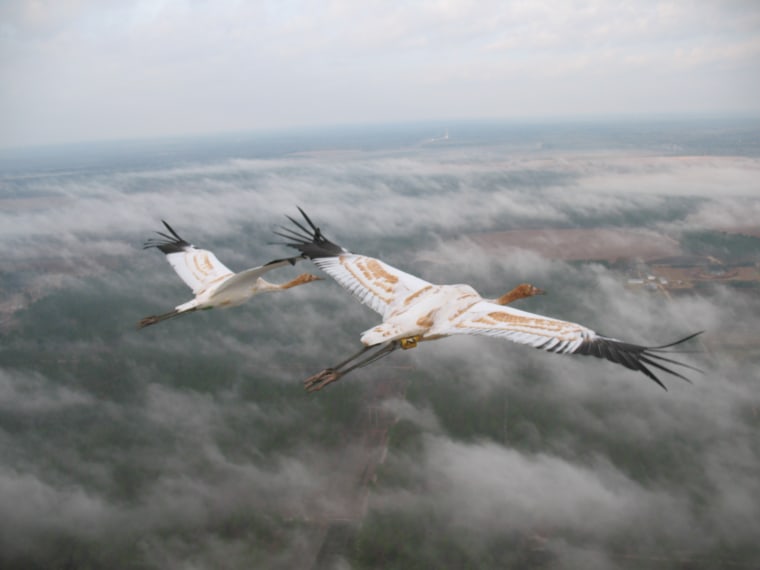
461,311
214,281
501,317
541,327
426,321
417,294
203,263
376,269
373,277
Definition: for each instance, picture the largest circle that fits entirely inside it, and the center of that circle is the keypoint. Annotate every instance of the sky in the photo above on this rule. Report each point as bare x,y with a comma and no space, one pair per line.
80,70
193,444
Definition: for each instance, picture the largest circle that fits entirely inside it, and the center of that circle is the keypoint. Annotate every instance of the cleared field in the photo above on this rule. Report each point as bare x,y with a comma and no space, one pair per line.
604,244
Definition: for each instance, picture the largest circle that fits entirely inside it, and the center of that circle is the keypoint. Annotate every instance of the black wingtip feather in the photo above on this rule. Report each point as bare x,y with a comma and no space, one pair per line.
291,260
639,358
310,242
684,339
170,243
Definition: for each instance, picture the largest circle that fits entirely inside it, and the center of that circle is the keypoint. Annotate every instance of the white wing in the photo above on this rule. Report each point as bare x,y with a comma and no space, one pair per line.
490,319
564,337
198,268
378,285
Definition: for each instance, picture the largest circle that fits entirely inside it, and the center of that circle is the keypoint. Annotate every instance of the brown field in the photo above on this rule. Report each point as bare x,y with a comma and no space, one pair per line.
752,231
690,274
601,244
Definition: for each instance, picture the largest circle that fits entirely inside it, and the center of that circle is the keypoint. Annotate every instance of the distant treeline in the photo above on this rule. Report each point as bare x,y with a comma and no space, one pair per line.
728,247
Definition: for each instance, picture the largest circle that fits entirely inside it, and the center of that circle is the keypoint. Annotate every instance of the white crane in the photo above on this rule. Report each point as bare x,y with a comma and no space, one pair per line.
214,284
414,311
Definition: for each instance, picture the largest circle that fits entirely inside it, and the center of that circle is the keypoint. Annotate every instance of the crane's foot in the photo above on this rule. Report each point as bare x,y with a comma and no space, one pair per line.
147,321
153,319
321,379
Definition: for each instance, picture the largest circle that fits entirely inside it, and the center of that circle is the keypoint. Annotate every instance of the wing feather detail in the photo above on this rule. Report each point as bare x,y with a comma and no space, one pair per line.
378,285
564,337
373,282
522,327
198,268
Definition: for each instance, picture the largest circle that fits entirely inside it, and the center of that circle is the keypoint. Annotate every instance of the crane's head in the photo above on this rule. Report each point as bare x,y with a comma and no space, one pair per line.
520,292
300,280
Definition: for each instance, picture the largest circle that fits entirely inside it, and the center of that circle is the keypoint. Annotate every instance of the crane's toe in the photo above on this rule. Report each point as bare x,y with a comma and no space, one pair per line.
321,379
147,321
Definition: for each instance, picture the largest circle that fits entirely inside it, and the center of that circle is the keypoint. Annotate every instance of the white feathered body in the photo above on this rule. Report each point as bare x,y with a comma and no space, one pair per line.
213,283
413,307
414,310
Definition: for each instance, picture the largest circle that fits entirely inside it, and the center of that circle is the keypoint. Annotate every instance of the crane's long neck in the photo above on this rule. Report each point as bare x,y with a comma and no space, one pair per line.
264,285
520,292
507,298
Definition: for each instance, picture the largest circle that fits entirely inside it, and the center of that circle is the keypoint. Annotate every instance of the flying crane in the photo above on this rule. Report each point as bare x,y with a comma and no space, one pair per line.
214,284
414,311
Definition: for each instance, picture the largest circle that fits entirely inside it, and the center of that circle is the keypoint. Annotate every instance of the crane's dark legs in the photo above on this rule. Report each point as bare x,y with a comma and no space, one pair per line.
330,375
153,319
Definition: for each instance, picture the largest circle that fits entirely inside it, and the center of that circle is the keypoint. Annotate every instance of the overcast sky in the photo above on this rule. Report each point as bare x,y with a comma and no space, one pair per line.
75,70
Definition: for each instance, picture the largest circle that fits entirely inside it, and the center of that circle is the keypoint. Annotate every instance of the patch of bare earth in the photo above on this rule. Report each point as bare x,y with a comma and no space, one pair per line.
601,244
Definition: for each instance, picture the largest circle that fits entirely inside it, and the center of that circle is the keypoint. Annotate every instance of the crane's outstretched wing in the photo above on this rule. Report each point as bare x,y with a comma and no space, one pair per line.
563,337
198,268
378,285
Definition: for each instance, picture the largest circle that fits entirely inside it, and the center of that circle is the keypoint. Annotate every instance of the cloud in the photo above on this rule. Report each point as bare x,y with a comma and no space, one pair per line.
192,442
488,488
32,393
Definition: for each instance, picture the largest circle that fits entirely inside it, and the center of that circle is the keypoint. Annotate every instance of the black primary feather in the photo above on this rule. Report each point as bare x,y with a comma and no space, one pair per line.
310,242
635,357
291,260
170,243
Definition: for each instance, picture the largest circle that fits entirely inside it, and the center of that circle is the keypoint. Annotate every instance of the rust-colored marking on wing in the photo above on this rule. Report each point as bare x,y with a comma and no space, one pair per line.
214,281
417,294
372,277
462,311
376,269
542,327
426,321
203,264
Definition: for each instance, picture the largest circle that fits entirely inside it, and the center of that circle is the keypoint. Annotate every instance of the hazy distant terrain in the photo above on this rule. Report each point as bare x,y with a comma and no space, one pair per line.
192,444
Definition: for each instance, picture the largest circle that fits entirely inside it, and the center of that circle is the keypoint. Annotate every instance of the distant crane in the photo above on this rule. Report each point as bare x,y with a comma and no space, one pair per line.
214,284
414,311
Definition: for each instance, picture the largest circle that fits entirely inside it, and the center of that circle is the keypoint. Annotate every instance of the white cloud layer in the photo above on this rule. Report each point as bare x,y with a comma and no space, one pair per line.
192,444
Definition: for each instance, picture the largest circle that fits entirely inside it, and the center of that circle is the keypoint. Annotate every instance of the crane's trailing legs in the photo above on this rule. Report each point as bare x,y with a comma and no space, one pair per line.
330,375
153,319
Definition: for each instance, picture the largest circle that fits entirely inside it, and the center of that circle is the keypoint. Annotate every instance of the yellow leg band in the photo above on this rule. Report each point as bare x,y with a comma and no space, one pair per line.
410,342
